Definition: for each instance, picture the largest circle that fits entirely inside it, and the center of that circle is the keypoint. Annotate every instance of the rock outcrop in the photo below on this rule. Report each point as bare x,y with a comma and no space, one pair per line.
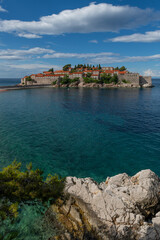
122,207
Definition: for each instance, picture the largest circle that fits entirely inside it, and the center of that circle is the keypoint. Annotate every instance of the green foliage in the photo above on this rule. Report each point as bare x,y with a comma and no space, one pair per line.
54,82
123,68
17,187
76,79
89,80
29,79
51,70
107,78
67,80
114,78
88,75
66,67
125,81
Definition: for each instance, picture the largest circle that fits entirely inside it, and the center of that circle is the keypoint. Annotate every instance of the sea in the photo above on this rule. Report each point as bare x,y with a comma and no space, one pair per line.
81,132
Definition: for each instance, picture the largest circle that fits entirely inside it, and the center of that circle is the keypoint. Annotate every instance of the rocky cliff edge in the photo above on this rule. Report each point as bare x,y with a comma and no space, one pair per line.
122,207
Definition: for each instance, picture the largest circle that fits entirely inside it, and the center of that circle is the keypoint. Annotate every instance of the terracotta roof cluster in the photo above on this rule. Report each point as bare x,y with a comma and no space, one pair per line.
95,71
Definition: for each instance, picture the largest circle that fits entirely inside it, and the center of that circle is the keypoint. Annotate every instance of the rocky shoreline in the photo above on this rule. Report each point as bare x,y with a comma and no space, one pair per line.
101,86
122,207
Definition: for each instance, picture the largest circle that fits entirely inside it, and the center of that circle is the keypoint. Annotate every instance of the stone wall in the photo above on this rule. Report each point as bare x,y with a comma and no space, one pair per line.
145,81
130,78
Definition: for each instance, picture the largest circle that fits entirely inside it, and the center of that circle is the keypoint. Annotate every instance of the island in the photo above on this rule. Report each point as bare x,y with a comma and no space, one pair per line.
88,76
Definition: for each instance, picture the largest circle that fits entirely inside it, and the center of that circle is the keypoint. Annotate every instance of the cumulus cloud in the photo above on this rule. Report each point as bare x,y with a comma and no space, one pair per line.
101,17
152,36
153,73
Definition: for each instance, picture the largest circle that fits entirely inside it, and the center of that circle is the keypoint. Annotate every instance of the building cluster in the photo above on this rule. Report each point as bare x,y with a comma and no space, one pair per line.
48,77
79,73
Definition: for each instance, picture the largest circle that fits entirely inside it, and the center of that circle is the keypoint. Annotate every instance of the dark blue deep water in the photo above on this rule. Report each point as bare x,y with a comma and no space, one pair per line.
79,132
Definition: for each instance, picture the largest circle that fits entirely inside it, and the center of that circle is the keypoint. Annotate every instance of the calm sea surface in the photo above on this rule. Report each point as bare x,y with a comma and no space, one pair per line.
82,132
9,81
79,132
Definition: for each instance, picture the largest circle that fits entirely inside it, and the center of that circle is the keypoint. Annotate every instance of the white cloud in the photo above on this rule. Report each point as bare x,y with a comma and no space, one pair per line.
39,66
152,72
14,54
101,17
78,55
148,72
2,9
20,70
29,35
93,41
125,59
152,36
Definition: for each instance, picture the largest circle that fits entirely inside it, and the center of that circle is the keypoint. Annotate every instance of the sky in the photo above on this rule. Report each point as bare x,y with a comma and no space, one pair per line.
36,35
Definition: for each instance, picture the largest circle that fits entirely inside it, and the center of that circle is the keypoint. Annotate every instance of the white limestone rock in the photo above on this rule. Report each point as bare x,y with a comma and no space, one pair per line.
119,207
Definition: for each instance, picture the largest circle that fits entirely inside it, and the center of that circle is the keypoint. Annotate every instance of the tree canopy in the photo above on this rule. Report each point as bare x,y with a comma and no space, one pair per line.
51,70
66,67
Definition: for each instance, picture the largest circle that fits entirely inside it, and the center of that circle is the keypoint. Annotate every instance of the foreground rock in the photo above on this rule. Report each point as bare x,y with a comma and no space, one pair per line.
122,207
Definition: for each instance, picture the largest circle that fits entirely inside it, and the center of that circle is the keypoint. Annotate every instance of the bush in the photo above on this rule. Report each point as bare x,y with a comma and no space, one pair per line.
76,79
88,80
54,82
17,187
114,78
107,78
29,79
65,80
125,81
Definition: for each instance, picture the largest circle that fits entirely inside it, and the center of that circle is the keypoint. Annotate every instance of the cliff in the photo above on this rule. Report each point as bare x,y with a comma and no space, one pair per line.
122,207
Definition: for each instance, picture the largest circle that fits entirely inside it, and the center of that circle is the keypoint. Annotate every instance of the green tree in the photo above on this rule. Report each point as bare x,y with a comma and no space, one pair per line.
114,78
51,70
65,80
66,67
29,79
123,68
99,67
88,75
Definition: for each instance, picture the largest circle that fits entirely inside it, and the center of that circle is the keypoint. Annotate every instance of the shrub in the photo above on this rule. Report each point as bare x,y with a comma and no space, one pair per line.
17,187
88,80
125,81
29,79
76,79
54,82
65,80
114,78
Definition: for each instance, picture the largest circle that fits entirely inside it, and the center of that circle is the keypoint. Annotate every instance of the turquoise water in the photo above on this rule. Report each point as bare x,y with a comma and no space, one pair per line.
82,132
79,132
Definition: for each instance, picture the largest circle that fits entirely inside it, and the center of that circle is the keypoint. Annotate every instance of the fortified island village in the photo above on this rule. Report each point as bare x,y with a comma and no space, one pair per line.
87,76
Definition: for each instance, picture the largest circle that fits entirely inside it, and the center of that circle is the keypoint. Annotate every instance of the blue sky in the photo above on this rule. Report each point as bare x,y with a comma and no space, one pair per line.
36,35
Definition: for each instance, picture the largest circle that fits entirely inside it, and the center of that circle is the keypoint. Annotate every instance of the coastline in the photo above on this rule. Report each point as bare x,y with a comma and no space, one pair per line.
86,85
